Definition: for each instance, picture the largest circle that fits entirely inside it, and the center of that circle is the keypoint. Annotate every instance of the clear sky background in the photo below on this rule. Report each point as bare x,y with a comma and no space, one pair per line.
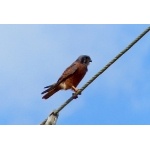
34,56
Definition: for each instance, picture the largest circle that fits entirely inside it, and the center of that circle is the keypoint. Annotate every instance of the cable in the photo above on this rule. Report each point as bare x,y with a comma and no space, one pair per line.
55,113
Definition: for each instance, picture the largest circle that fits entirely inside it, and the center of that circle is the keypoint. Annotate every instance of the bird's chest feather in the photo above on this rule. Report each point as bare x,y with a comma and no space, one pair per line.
75,79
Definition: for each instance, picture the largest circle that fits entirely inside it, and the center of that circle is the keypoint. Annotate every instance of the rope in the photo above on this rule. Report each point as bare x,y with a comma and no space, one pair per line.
75,95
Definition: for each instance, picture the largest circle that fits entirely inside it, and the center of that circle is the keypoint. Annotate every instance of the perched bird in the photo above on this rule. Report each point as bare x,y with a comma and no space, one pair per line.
70,78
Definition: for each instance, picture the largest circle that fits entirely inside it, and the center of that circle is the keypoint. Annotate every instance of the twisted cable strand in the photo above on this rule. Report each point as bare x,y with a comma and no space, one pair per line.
74,96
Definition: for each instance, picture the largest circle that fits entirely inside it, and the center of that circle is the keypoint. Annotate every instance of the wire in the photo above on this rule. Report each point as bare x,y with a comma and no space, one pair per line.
75,95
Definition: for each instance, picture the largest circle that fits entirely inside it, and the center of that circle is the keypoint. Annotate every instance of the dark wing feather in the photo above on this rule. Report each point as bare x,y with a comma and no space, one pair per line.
68,72
50,87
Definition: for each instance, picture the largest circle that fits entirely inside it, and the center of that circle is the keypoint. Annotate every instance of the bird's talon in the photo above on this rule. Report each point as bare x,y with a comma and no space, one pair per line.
74,95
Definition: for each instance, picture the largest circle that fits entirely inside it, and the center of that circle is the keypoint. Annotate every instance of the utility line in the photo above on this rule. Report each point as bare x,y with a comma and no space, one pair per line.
52,118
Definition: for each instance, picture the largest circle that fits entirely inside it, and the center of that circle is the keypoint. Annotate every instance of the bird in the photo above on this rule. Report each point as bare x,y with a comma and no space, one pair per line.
70,78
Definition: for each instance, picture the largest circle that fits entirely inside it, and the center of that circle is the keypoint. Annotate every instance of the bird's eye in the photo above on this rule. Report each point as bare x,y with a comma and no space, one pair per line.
85,60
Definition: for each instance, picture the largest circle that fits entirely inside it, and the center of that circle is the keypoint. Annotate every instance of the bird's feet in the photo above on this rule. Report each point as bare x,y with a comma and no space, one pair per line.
77,91
74,95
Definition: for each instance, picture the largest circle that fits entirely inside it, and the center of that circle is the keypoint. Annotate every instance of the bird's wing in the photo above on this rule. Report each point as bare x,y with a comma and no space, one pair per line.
68,72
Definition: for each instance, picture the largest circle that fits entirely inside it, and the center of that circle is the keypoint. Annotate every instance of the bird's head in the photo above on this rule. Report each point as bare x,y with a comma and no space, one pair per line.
84,59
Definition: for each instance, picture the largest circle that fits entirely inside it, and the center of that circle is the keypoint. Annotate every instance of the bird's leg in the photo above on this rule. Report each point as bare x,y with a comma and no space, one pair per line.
75,90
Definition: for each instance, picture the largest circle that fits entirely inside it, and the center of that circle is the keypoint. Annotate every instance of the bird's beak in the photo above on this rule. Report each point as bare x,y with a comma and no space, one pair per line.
90,60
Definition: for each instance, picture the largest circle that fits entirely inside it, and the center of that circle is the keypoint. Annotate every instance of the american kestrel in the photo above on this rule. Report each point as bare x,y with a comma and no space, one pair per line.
70,78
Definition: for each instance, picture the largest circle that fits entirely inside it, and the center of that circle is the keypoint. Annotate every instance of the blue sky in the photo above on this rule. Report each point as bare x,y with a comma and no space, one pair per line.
34,56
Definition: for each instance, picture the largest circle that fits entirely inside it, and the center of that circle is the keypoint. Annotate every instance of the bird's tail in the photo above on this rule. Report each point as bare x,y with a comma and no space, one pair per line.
52,89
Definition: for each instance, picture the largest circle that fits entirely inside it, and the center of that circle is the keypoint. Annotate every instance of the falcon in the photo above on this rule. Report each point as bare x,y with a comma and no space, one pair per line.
70,78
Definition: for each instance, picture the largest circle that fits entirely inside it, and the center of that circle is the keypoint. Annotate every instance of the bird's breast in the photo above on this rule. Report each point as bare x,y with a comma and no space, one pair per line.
75,79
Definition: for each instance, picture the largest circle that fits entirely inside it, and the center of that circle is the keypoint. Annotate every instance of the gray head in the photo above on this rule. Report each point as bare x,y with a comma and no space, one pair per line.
84,59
